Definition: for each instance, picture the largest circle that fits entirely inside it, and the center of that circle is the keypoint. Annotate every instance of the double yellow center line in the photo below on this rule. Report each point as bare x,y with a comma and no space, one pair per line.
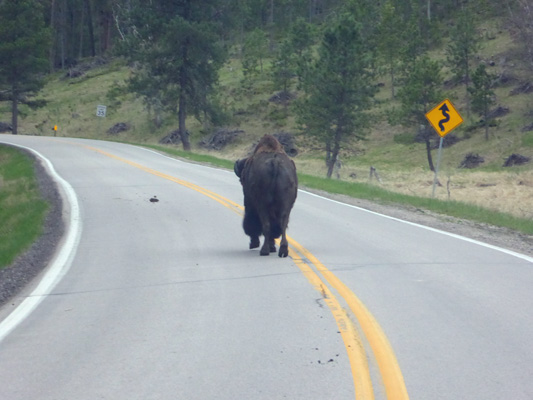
317,274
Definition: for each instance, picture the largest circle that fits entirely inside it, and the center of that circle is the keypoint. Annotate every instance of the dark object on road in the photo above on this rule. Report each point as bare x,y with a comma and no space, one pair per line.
516,159
154,199
270,185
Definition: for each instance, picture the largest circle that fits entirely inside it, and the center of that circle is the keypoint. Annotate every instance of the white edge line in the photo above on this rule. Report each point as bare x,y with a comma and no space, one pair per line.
59,265
464,238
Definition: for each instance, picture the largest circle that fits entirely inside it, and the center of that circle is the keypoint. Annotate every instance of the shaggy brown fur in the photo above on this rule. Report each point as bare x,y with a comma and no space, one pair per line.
270,187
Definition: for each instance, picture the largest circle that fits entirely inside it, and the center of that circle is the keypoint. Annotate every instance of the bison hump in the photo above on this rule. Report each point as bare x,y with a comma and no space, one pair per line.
268,144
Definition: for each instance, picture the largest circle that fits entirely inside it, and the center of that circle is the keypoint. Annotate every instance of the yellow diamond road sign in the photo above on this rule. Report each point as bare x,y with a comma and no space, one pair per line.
444,118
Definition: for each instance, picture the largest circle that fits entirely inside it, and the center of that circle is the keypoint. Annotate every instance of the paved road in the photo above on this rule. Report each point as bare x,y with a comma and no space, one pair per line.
163,300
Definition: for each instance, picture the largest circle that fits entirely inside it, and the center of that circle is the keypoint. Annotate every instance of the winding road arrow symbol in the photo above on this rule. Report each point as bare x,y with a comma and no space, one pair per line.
446,118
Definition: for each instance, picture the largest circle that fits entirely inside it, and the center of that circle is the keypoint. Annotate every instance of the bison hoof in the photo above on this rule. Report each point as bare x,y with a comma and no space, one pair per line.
283,251
254,243
272,247
264,251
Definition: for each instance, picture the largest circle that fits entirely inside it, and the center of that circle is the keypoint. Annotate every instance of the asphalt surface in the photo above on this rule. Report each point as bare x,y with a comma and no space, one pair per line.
163,300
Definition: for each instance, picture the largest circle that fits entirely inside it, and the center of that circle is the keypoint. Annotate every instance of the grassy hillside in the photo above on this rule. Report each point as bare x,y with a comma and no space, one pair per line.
401,164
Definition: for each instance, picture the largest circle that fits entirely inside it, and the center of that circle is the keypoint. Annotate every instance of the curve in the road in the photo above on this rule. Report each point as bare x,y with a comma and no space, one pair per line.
60,265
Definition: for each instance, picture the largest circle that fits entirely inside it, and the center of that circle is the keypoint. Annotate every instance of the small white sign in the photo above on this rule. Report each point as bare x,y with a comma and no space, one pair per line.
101,111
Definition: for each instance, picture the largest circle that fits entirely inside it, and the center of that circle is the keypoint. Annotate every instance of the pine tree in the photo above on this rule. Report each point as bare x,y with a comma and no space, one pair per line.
464,44
283,68
339,88
177,47
482,94
24,42
391,40
254,51
421,91
301,38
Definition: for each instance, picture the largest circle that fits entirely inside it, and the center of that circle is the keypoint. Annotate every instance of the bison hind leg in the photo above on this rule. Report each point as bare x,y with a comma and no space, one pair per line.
272,246
254,242
265,250
284,244
283,250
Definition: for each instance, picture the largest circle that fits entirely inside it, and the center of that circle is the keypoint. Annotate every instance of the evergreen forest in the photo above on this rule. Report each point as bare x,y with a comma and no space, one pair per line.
331,72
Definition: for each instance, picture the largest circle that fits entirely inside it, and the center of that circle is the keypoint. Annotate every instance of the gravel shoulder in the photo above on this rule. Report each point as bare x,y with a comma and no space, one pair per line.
30,265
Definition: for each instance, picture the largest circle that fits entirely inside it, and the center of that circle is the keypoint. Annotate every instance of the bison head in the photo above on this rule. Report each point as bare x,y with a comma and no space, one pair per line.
239,166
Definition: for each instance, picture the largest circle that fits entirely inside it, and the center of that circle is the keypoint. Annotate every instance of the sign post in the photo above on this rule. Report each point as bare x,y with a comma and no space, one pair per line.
444,118
101,112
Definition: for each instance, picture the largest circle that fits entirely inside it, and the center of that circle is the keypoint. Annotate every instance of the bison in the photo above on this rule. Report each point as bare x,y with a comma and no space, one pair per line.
269,184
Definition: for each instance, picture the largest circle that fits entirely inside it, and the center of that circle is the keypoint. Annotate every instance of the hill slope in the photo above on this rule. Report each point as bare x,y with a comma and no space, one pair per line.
400,163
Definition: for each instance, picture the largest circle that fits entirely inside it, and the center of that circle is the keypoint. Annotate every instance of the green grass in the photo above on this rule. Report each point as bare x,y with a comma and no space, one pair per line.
449,208
201,158
22,210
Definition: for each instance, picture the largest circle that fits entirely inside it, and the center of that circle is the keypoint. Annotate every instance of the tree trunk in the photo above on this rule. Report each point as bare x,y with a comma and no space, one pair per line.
82,24
333,160
328,152
486,119
14,109
182,104
105,31
392,80
331,164
53,41
90,26
336,149
182,127
63,34
428,150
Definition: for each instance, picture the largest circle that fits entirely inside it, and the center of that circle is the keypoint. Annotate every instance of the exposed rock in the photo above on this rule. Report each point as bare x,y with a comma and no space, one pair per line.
287,141
516,159
77,70
449,140
471,160
498,112
528,128
282,97
173,137
118,127
220,139
505,79
524,88
5,127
